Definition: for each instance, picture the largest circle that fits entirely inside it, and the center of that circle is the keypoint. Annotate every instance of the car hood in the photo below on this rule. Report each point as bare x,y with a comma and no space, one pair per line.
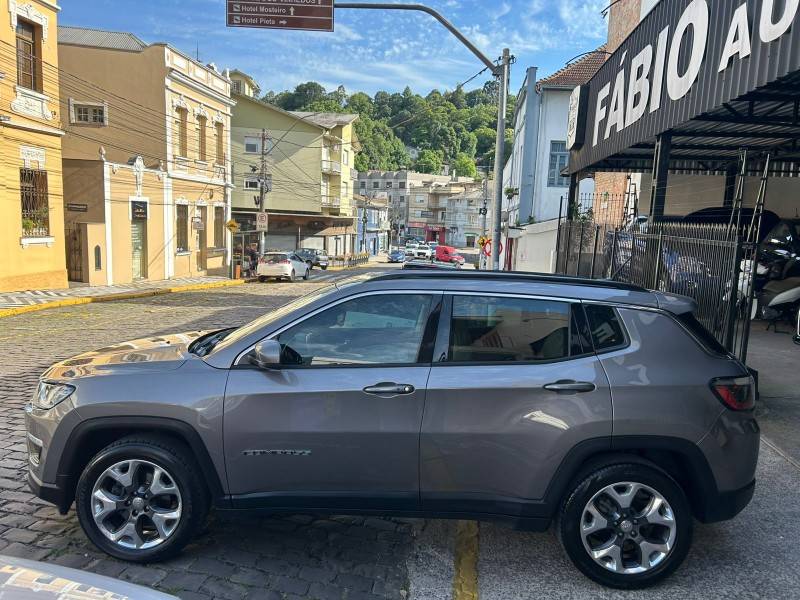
158,353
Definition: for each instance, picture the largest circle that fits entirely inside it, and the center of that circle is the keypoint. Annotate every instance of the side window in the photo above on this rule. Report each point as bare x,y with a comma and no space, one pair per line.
509,330
605,327
372,330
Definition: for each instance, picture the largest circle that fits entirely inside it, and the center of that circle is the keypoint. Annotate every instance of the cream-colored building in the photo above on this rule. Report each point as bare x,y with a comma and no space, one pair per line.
146,161
31,199
307,159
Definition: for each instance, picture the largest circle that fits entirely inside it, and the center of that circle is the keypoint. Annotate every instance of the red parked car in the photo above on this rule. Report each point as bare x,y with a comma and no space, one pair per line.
448,254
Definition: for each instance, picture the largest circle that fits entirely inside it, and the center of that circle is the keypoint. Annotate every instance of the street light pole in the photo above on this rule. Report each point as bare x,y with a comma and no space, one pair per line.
499,156
500,71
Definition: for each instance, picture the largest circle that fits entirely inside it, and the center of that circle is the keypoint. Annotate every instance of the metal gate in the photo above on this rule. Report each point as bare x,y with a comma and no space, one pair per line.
74,249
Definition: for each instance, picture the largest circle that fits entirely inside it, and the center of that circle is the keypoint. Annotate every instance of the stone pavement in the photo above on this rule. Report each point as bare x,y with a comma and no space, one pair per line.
288,557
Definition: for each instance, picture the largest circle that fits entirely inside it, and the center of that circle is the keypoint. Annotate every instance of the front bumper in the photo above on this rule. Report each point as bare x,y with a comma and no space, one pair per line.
53,493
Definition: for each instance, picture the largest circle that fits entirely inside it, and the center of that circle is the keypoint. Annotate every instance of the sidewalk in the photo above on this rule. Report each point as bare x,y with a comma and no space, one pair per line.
15,303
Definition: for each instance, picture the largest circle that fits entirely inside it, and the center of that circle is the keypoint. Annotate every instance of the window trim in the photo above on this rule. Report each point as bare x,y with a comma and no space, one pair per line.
559,181
238,361
442,347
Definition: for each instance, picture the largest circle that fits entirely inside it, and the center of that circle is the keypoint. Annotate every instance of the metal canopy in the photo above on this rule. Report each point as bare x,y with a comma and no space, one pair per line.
766,120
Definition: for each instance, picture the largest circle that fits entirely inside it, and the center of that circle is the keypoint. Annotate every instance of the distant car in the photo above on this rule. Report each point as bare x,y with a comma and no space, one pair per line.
419,263
448,254
22,579
282,265
314,257
411,247
397,256
423,251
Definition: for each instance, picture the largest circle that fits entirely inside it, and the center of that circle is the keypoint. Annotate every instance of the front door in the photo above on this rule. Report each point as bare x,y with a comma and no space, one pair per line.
337,426
139,248
515,385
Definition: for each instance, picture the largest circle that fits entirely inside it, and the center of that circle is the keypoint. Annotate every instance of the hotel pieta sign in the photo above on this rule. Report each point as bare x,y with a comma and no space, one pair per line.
685,58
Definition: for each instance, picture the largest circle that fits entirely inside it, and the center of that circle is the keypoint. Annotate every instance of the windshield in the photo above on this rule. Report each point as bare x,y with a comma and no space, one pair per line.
274,315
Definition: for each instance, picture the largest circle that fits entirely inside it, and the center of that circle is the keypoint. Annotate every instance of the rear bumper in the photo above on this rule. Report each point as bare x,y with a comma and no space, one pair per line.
725,505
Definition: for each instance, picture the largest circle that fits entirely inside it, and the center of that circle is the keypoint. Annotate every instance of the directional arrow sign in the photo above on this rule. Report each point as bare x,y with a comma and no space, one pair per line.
315,15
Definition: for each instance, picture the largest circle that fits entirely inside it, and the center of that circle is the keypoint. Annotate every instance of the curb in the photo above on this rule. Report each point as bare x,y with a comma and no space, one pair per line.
10,312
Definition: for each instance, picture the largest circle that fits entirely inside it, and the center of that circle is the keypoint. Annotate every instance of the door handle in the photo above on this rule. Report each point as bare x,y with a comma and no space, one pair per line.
390,389
567,385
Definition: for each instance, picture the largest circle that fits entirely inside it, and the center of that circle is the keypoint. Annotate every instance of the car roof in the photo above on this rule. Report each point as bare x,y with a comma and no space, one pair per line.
511,282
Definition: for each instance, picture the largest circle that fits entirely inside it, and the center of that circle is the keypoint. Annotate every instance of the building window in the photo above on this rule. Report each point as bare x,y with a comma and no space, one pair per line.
182,228
345,190
363,184
28,57
202,144
376,185
559,158
346,157
219,133
252,145
236,86
219,226
402,198
35,205
420,199
388,185
181,133
251,184
90,114
402,185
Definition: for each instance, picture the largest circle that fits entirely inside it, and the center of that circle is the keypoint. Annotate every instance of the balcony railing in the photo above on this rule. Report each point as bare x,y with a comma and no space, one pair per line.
333,201
332,166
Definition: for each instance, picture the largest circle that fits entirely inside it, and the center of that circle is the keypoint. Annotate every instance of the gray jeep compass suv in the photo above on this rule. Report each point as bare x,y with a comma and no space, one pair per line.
600,407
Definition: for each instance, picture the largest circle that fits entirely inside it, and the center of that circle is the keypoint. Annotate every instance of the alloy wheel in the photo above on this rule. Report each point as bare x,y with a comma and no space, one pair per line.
136,504
628,528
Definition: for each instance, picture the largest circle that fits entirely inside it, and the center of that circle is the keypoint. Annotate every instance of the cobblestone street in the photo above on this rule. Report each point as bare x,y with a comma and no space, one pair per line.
236,557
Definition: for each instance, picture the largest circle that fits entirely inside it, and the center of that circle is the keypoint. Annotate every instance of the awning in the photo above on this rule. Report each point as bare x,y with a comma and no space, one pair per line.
716,76
336,230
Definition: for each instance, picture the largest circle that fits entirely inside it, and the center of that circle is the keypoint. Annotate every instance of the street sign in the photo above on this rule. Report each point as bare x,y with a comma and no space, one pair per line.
198,224
262,222
232,226
314,15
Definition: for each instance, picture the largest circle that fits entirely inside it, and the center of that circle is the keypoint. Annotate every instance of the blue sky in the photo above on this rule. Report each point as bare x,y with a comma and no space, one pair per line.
370,50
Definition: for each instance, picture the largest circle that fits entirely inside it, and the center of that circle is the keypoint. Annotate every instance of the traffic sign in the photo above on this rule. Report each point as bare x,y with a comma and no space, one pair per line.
262,222
232,226
315,15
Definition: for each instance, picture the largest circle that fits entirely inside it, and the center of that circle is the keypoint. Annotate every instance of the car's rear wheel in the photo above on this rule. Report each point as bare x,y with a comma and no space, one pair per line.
141,499
292,275
262,279
626,526
310,265
307,274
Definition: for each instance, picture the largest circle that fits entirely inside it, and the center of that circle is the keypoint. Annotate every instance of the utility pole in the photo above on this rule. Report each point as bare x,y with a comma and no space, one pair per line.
262,189
500,71
499,156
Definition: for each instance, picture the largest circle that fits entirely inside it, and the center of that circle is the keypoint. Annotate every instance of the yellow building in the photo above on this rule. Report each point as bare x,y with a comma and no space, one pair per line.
308,159
31,198
146,159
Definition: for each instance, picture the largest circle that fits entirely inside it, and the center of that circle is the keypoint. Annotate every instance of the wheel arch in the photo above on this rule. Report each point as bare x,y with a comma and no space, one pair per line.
679,458
92,435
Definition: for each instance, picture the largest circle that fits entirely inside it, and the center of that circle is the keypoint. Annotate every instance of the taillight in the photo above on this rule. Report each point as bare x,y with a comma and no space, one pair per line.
737,393
286,261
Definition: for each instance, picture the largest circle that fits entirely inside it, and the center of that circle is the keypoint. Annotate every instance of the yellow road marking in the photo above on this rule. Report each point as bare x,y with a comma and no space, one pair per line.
465,578
10,312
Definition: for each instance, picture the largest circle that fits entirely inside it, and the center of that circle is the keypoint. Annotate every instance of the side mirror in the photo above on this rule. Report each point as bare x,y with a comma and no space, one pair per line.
267,355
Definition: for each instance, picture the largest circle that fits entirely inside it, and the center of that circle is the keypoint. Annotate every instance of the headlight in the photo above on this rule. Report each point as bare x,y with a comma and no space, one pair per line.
49,394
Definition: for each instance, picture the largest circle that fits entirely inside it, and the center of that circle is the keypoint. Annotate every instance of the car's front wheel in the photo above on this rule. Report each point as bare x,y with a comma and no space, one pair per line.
626,526
141,499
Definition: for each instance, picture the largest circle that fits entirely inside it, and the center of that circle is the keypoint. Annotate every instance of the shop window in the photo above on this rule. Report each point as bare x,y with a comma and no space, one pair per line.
219,226
182,228
29,59
559,159
35,204
202,145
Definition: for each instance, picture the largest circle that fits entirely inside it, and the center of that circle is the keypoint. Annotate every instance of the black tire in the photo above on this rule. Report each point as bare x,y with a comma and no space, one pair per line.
179,463
262,279
310,265
571,517
292,276
307,274
325,268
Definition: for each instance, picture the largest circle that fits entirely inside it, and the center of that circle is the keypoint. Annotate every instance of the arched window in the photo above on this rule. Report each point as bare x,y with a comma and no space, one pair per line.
98,260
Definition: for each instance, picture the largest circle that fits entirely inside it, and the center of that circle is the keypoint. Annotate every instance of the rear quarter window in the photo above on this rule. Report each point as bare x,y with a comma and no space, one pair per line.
605,327
703,335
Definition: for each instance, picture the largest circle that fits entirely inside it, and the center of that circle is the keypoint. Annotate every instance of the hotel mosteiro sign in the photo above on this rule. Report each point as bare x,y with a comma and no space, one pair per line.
313,15
685,58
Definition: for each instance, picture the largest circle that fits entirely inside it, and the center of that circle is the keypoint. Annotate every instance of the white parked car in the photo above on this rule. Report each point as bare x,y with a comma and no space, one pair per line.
282,265
423,251
411,247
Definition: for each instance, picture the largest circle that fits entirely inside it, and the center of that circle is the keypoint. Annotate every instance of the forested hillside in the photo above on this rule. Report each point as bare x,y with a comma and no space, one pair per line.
456,128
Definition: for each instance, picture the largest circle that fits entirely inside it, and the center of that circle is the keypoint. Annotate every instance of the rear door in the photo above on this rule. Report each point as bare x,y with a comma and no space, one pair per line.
514,387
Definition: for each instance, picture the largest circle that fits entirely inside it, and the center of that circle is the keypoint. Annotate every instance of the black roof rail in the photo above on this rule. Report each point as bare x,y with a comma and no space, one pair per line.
508,276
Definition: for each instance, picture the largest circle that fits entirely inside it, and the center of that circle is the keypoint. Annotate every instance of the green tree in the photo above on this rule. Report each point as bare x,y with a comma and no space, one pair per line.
429,161
464,166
